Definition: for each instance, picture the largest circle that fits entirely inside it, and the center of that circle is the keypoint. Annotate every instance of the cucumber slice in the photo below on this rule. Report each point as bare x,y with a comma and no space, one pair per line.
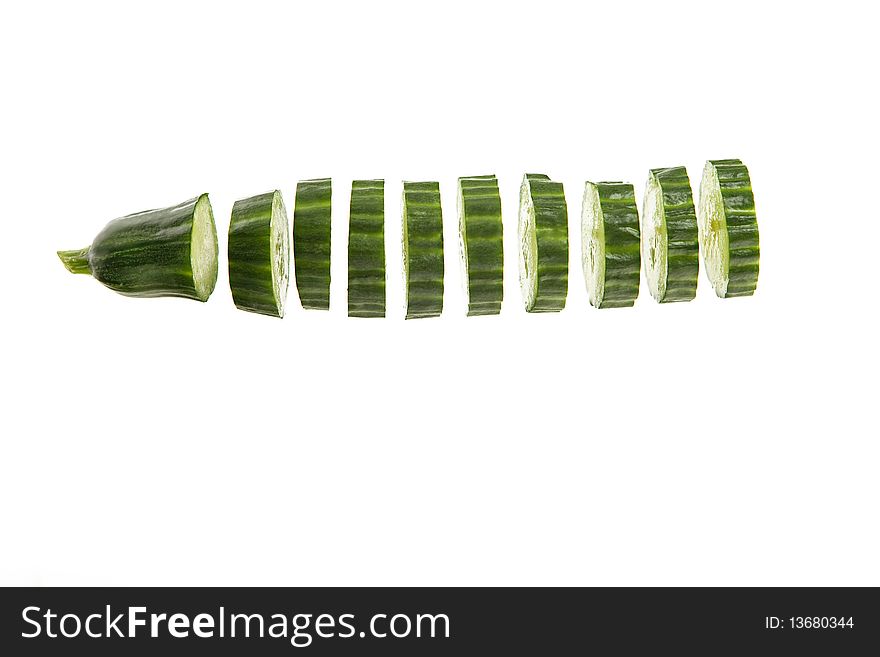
670,246
482,246
366,249
259,254
729,228
169,252
422,249
610,244
311,242
543,237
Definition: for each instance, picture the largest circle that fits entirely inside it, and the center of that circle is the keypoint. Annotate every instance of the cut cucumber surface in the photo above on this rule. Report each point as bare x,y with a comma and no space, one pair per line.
169,252
366,249
482,244
259,254
543,237
311,242
610,245
729,228
670,245
423,267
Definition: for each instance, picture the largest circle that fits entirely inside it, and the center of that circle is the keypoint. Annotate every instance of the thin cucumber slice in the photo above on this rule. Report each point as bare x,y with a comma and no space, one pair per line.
311,242
543,237
259,254
422,249
169,252
729,228
482,245
610,244
366,249
670,246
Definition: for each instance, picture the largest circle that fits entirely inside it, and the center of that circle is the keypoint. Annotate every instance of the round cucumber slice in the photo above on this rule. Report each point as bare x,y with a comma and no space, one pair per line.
728,228
670,247
311,242
610,244
423,266
482,246
259,254
543,238
366,249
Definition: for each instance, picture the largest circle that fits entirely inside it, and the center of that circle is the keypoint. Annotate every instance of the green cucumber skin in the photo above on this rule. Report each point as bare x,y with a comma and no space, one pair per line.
483,234
623,247
683,243
250,261
366,249
423,249
551,223
145,254
742,227
311,242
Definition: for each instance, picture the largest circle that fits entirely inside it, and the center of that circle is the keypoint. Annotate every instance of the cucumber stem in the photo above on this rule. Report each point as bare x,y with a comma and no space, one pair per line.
76,261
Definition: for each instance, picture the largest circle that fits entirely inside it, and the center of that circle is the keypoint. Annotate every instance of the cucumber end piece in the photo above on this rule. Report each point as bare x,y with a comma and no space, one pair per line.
655,239
76,261
593,244
279,243
714,240
203,249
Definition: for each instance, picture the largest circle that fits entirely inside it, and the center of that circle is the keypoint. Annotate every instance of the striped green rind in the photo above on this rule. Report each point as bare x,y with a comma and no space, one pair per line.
422,249
670,243
259,254
482,245
610,244
728,225
168,252
311,243
543,237
366,249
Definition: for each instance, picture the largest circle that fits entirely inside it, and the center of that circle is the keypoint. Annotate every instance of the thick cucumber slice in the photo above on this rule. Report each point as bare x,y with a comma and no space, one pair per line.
729,228
366,249
422,249
259,254
169,252
482,245
543,237
610,244
311,242
670,246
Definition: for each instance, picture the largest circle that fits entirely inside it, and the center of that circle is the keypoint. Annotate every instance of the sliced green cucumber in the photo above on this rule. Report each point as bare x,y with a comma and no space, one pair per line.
670,246
729,228
610,244
482,246
422,249
543,237
259,254
366,249
169,252
311,242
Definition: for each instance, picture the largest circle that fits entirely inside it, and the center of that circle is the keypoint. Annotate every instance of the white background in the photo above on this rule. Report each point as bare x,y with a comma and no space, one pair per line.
171,442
